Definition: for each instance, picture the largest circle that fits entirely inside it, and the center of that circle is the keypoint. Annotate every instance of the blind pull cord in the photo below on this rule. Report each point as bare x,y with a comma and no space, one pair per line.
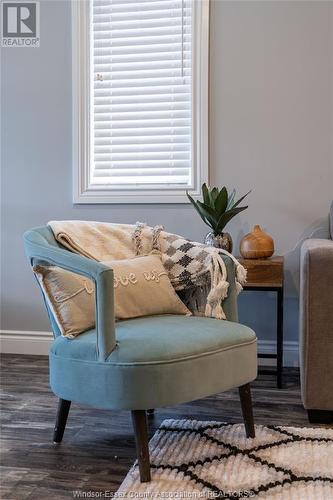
182,41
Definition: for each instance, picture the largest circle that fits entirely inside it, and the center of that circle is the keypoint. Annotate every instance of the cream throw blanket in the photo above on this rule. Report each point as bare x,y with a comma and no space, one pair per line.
195,270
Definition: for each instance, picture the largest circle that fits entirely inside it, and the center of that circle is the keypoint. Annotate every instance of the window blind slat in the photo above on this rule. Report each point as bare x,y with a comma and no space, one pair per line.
134,124
131,182
107,135
141,27
119,102
144,41
149,57
165,46
136,83
135,148
112,111
142,92
143,16
144,68
136,141
122,5
142,155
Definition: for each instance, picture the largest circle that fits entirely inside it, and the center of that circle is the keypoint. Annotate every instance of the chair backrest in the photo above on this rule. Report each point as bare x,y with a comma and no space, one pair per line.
41,236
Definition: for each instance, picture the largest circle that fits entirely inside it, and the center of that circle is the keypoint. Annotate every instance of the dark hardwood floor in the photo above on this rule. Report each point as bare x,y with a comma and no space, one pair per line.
98,446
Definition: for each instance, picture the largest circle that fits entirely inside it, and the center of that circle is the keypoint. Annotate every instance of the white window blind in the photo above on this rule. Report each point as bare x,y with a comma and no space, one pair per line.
141,94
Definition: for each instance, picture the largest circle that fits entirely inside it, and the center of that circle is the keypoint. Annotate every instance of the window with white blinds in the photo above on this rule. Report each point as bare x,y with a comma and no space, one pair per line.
142,129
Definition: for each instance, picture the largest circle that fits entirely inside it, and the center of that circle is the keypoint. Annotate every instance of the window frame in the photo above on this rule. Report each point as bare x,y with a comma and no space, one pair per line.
83,192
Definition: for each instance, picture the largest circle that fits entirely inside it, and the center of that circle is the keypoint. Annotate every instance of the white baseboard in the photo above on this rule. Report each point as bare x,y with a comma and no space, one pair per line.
25,342
290,352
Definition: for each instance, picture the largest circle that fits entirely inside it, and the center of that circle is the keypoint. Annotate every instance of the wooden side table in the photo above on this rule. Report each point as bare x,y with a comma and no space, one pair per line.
267,275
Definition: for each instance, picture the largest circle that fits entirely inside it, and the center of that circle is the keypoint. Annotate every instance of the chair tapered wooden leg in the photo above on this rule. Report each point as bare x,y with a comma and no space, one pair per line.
61,419
139,419
246,403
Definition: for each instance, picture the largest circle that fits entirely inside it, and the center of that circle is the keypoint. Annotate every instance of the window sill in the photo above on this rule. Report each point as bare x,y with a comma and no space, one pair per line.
128,197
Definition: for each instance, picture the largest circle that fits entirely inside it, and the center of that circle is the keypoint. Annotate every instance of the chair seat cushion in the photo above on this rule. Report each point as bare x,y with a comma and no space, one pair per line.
159,339
158,361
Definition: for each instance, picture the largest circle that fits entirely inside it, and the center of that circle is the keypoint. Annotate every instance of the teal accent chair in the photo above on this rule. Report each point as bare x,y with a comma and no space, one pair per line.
144,363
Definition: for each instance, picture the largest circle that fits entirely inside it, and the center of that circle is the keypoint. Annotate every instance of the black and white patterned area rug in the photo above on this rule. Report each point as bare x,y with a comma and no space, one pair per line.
192,459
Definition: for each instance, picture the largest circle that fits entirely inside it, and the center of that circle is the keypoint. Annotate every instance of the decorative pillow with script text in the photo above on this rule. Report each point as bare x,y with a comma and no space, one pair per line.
142,288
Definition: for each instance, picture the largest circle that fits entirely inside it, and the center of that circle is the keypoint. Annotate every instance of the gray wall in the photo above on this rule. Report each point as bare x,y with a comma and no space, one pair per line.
270,128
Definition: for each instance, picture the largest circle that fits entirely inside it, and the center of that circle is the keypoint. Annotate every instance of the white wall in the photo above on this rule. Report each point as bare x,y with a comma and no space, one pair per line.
272,110
272,126
271,130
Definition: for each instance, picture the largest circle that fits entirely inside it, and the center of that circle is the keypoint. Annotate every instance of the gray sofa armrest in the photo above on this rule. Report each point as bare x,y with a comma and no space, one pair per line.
316,323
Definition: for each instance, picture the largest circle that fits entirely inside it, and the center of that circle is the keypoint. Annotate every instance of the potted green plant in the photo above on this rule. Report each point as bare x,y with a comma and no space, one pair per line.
216,210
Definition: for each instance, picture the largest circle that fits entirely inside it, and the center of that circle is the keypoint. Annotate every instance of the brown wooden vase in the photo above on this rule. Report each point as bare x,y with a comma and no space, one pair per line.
256,245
